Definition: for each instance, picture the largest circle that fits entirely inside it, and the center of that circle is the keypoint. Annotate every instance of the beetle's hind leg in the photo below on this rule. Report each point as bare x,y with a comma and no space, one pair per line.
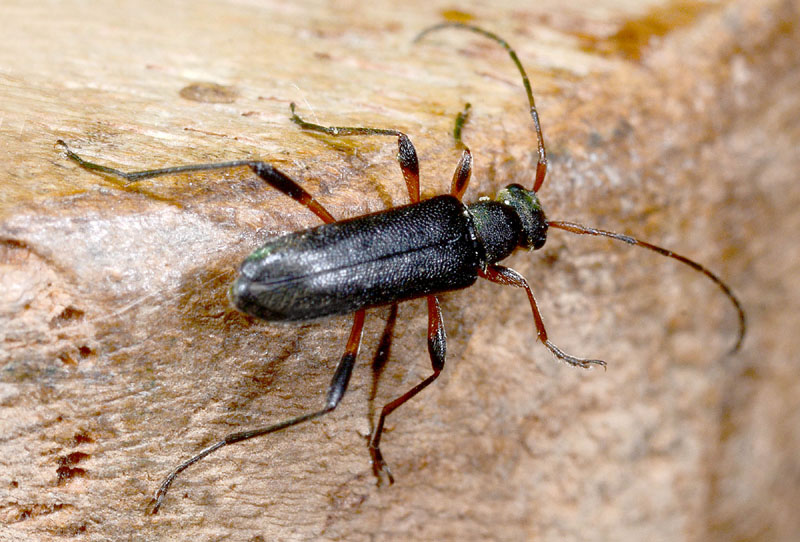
437,348
267,172
336,391
406,153
380,360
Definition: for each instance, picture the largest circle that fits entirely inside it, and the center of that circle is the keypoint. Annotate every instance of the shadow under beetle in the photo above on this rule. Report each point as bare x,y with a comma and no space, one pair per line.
421,249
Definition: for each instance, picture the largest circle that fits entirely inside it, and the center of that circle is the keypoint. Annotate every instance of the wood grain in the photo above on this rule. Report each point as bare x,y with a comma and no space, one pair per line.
674,121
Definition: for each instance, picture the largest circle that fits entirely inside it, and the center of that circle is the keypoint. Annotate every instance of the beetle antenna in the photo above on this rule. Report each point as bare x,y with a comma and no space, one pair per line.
541,165
584,230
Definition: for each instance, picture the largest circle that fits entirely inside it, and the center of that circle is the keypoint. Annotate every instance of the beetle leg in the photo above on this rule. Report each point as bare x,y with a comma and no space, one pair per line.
462,174
406,153
336,391
437,348
379,361
509,277
268,173
464,168
461,120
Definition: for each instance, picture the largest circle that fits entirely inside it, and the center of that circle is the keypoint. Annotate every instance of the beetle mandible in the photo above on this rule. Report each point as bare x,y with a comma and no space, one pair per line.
417,250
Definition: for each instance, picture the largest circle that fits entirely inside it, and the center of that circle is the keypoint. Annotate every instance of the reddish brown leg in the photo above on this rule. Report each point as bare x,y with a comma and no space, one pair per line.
379,362
437,348
462,175
509,277
336,391
463,170
406,153
269,174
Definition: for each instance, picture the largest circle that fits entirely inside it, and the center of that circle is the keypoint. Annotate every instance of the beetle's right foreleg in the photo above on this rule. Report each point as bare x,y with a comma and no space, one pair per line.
509,277
336,391
267,172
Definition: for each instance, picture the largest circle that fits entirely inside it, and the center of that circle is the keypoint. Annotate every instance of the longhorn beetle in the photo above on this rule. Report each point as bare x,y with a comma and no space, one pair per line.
416,250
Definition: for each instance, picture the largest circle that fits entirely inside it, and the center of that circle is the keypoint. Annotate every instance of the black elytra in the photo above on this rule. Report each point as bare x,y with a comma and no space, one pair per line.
434,246
412,251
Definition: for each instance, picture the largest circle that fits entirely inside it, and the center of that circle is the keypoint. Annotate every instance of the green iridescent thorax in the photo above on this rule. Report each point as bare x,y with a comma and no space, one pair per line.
530,212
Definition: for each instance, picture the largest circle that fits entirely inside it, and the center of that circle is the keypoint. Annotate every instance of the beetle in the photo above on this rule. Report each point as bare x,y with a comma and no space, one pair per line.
417,250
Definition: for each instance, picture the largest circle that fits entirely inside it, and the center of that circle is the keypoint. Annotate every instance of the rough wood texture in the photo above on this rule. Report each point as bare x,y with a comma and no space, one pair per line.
120,354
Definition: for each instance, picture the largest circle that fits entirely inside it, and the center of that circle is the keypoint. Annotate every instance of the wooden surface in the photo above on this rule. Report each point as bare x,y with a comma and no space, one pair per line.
675,121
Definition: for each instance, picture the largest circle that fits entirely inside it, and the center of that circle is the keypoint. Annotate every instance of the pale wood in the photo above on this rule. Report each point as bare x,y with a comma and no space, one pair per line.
121,355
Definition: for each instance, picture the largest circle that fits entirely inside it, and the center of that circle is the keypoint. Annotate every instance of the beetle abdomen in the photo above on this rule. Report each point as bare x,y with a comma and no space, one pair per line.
338,268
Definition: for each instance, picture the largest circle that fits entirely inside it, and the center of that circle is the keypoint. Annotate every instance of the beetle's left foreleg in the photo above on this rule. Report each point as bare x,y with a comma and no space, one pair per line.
437,348
406,153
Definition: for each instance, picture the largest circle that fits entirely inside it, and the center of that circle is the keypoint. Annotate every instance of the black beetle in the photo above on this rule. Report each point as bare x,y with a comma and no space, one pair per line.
417,250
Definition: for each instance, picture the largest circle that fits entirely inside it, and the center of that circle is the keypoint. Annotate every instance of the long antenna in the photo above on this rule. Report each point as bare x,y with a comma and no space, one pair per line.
541,165
584,230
